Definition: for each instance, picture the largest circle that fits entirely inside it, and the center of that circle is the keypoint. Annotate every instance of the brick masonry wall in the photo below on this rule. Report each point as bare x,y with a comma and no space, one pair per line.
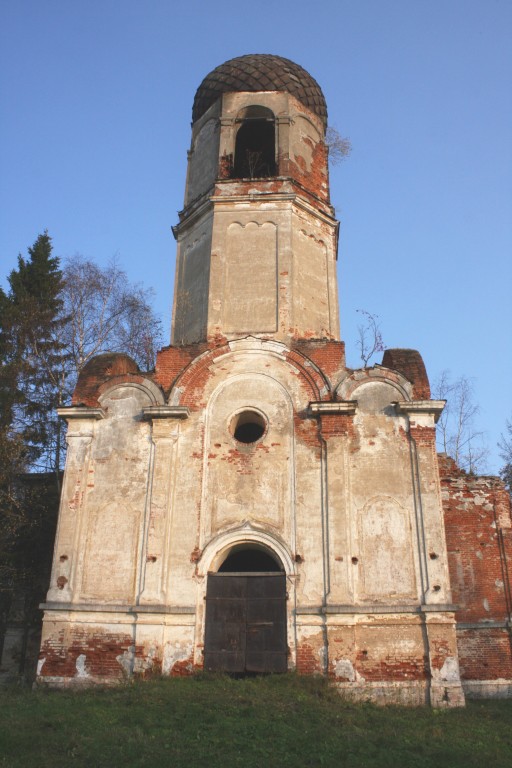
100,370
329,356
313,179
102,653
478,525
409,363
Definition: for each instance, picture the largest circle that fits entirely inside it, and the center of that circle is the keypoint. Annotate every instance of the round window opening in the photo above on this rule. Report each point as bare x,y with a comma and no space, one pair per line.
248,427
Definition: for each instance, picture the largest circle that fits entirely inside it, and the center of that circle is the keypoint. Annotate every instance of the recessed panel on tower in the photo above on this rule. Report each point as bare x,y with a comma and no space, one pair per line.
250,296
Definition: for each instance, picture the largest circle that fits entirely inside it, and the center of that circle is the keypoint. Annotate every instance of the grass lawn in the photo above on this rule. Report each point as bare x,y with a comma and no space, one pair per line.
261,722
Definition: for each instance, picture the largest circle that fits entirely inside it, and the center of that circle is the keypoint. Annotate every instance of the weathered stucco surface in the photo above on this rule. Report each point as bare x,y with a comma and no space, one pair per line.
340,486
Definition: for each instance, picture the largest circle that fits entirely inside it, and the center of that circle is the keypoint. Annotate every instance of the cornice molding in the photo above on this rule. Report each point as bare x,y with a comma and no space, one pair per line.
80,412
166,412
432,407
329,408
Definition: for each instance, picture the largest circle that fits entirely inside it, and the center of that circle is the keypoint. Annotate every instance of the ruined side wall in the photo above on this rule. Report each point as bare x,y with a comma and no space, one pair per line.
479,540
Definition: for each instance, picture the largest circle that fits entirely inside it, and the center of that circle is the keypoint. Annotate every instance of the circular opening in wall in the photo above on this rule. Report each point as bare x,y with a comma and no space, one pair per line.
248,427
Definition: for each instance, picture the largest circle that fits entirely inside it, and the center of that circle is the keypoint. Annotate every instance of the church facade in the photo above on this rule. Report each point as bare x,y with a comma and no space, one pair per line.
253,505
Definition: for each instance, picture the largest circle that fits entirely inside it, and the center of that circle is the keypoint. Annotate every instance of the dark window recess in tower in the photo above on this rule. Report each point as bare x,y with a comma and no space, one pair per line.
255,151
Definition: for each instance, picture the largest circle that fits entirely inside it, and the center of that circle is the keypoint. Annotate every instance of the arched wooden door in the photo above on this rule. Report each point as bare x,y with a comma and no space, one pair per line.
245,630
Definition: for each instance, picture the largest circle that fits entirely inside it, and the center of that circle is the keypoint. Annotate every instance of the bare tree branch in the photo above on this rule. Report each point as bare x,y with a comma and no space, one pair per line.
505,445
107,314
339,147
456,432
370,338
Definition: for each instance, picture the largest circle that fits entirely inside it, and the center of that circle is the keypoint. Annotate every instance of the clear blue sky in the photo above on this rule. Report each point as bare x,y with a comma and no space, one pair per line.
96,102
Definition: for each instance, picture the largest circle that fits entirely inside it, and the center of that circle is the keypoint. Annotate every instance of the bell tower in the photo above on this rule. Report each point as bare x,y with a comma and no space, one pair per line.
257,237
252,504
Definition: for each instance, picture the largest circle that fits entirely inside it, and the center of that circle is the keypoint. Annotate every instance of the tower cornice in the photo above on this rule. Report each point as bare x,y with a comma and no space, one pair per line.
208,204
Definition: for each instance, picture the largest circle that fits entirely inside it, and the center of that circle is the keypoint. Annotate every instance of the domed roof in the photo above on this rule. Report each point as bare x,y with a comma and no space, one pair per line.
260,72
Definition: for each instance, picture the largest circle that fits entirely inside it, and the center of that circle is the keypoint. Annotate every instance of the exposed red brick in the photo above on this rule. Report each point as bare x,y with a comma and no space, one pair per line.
478,527
425,436
410,364
484,654
99,370
308,660
306,430
184,668
337,425
226,166
315,179
171,361
328,355
392,668
193,378
291,180
100,649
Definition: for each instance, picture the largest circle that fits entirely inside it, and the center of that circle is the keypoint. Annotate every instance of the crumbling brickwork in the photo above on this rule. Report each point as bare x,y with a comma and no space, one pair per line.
479,543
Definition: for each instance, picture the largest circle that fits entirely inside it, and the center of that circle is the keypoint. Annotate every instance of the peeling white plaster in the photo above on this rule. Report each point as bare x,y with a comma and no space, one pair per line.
449,672
174,654
486,604
345,669
125,660
141,665
81,671
40,665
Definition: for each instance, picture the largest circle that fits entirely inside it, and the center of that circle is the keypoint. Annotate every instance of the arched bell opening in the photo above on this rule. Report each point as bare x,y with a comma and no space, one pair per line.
245,623
255,144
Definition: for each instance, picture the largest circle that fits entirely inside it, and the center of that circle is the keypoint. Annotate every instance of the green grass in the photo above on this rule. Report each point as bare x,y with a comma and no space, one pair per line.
261,722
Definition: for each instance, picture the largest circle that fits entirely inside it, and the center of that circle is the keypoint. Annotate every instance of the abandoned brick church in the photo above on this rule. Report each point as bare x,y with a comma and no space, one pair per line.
252,504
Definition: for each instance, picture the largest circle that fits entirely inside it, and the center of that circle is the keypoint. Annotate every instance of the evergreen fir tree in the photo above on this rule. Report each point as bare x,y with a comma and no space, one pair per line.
32,374
34,363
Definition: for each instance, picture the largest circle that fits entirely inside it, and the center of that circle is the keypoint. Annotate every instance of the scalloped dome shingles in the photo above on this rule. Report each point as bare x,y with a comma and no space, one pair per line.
260,72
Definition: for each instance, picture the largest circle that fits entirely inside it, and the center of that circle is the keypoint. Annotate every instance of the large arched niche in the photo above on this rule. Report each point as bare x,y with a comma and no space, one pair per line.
117,470
248,480
123,433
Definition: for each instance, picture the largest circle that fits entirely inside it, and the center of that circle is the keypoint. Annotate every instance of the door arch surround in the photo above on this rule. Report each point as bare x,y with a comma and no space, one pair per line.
246,612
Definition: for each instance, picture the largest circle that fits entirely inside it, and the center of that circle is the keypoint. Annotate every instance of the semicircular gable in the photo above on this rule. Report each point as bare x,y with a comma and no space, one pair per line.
246,355
145,389
347,388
